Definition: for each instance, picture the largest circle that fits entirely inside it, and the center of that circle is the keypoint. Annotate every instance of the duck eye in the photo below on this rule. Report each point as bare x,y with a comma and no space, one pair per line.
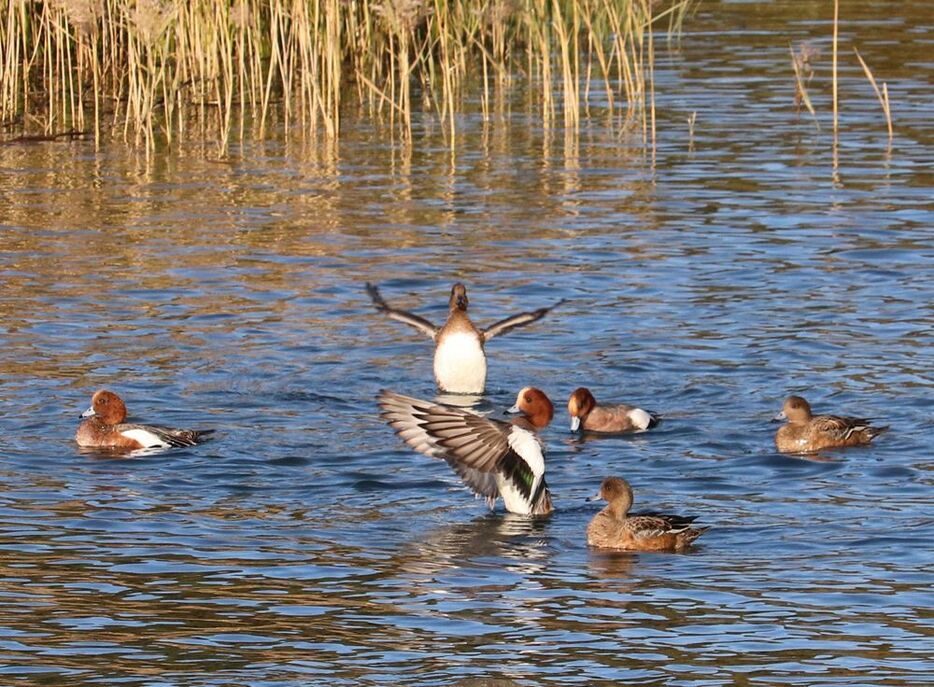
528,399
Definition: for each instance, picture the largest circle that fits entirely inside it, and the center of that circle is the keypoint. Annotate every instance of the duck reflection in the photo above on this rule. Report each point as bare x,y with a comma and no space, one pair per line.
578,439
520,539
815,457
486,682
608,565
475,402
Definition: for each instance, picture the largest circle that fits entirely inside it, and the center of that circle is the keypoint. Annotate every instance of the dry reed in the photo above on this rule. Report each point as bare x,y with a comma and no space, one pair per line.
802,63
156,70
836,32
882,95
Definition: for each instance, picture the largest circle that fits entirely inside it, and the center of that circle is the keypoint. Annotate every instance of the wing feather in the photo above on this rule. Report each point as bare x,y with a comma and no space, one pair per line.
403,316
519,320
838,426
154,436
465,439
481,483
647,526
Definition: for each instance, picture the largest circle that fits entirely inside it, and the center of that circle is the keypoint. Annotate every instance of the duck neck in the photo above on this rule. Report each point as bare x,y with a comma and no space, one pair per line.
97,421
524,422
619,507
459,322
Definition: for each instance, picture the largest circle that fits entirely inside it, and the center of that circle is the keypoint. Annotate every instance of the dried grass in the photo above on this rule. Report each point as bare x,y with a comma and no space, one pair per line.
802,63
882,95
156,70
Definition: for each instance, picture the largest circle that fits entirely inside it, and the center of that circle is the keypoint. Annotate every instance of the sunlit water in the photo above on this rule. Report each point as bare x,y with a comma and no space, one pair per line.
307,545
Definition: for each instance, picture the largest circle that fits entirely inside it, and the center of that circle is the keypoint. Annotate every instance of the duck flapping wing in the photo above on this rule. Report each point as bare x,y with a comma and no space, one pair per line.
519,320
474,446
403,316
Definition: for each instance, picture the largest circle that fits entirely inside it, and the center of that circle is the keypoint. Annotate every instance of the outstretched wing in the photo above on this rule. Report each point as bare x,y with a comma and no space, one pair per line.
382,306
519,320
471,444
480,483
446,432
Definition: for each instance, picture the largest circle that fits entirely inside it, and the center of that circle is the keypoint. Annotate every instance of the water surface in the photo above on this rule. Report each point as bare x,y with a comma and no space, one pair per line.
307,545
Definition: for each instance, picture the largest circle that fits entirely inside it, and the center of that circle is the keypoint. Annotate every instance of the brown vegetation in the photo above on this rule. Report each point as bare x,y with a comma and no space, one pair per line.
155,70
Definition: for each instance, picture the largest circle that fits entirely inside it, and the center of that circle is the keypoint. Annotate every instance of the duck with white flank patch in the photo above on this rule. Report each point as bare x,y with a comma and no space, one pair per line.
807,433
460,361
105,428
586,414
494,458
615,528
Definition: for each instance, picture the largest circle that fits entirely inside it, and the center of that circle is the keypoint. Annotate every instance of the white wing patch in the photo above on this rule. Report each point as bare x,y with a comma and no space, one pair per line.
146,438
640,418
528,447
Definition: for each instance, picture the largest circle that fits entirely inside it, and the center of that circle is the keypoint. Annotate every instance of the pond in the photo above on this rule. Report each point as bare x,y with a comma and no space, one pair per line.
306,544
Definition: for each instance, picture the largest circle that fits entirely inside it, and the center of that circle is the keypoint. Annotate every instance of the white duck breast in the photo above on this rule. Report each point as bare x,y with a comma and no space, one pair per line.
460,364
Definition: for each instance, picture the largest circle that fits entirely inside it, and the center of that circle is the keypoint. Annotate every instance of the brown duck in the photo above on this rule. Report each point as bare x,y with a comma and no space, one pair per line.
615,528
807,433
590,416
104,427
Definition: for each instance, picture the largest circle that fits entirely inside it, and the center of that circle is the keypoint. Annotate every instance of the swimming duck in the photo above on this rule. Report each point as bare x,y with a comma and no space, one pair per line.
492,457
105,428
460,361
615,528
807,433
587,415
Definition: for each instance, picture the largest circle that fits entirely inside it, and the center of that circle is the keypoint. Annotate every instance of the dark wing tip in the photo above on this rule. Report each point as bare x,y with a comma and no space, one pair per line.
373,291
541,312
557,305
204,434
191,437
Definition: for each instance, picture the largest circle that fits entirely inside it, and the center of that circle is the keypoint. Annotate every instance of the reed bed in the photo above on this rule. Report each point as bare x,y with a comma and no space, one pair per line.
155,70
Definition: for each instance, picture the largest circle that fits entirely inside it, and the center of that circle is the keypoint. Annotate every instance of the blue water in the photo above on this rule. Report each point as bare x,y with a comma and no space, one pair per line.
307,545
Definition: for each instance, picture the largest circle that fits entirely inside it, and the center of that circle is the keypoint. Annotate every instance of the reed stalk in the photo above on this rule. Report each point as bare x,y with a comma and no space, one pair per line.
156,71
882,95
804,72
836,26
651,51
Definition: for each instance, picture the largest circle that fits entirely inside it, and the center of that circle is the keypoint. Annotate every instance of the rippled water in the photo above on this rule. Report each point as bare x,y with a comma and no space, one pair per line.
307,545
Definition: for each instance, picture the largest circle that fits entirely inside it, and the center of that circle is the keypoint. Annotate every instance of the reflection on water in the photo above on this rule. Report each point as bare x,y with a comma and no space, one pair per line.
306,544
